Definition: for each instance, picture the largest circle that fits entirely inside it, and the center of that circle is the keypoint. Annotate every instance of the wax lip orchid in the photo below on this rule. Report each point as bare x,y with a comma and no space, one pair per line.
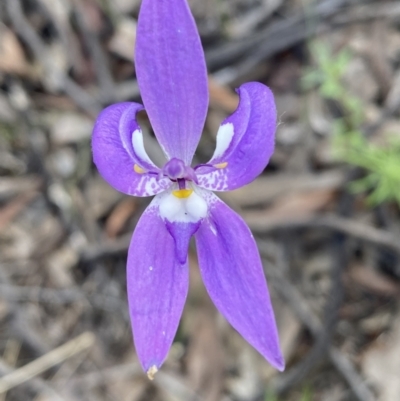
172,77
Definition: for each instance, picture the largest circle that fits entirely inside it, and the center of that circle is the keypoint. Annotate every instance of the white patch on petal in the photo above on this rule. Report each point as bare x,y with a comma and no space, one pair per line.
182,210
224,139
138,146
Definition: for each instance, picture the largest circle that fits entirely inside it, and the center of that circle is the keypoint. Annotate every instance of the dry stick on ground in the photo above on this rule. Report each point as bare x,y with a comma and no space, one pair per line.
120,372
15,207
311,321
106,249
60,23
176,387
360,231
246,23
339,256
62,296
55,78
354,229
391,107
278,36
367,12
45,362
36,385
275,37
322,341
100,62
19,323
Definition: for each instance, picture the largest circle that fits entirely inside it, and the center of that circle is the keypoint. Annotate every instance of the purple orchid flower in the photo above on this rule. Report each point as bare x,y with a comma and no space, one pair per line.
172,77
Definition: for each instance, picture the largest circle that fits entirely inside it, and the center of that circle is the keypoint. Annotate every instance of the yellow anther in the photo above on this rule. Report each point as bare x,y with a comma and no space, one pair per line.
221,165
138,169
182,193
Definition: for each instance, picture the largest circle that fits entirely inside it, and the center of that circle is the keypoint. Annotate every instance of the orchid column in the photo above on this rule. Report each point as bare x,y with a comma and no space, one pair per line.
172,78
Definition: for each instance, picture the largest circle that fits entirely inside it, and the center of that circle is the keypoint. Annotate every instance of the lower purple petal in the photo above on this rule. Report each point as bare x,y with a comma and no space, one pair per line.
233,275
157,288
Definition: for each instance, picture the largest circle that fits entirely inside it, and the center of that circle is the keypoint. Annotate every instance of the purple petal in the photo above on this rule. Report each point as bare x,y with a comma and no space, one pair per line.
245,141
182,233
157,288
233,275
172,75
119,154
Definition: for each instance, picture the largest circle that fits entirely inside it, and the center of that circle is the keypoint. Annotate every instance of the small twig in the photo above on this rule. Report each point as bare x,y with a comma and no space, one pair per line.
106,249
311,321
391,107
176,387
15,207
54,77
260,225
36,384
367,12
243,24
119,372
61,297
19,323
100,62
353,228
11,186
45,362
274,38
324,337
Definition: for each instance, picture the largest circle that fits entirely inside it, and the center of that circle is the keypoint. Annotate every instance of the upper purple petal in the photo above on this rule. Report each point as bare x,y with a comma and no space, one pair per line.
119,154
172,75
245,141
233,275
157,287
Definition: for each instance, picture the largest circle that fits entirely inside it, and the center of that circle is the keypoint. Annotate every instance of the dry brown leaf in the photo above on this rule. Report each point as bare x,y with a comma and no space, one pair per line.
12,57
118,217
381,364
286,208
70,128
222,96
204,359
124,38
13,208
265,189
374,281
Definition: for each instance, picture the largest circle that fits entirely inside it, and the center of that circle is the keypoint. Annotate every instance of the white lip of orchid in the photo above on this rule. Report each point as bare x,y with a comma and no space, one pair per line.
177,206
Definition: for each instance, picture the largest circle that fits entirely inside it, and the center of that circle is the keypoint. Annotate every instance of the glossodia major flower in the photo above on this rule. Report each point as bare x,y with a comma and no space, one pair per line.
172,77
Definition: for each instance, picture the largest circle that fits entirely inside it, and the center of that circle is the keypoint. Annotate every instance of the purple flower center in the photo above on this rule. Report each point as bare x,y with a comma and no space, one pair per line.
176,170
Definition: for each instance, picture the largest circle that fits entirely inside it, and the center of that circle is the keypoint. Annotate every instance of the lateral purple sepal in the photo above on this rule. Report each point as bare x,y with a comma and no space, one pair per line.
251,145
233,276
172,75
157,286
115,156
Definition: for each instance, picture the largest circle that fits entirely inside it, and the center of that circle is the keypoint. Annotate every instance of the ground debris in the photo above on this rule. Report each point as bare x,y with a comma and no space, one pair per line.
331,259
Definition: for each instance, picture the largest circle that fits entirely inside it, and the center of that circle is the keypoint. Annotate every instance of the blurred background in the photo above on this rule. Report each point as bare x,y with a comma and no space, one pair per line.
325,212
